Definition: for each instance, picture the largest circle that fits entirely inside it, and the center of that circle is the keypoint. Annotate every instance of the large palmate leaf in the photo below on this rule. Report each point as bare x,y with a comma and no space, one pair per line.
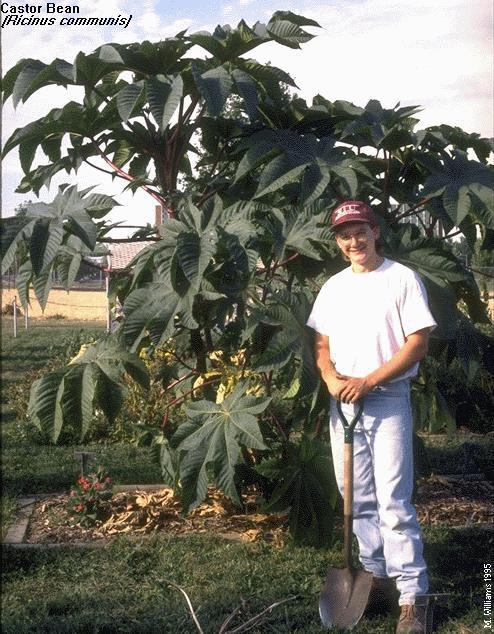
51,234
455,180
93,378
211,443
302,161
305,486
228,44
288,312
297,231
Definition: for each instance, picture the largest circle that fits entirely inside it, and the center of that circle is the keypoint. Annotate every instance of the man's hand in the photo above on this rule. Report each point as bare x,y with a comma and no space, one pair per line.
354,388
335,382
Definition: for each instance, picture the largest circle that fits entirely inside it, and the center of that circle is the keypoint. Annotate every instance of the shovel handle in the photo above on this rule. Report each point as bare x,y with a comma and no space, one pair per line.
348,480
349,427
348,504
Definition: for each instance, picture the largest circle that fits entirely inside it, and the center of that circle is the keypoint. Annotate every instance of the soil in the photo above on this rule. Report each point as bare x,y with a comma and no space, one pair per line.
438,501
78,304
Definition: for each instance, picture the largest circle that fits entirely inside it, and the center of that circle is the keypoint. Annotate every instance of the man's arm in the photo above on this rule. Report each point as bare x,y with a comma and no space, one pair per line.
413,350
325,366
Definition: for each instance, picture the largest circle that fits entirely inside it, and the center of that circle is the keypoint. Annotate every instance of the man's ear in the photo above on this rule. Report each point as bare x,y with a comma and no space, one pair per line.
376,230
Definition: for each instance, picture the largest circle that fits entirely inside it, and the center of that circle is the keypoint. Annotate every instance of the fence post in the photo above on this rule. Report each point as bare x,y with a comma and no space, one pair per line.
107,289
14,305
26,315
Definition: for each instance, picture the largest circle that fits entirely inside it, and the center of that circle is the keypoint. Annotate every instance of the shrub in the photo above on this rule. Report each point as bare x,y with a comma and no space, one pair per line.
8,310
88,496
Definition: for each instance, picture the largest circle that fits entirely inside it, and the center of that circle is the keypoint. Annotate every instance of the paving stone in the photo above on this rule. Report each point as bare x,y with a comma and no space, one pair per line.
17,532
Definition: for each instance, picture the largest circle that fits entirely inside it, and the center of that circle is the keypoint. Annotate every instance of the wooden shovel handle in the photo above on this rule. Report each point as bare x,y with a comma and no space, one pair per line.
348,479
348,503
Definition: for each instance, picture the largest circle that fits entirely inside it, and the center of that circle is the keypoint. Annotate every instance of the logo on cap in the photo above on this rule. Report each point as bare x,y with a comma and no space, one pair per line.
352,211
346,209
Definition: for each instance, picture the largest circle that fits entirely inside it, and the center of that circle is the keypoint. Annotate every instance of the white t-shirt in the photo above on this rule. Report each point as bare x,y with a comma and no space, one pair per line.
367,316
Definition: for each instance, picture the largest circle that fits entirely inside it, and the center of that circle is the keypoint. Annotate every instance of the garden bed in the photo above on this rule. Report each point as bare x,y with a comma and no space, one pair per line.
440,501
141,512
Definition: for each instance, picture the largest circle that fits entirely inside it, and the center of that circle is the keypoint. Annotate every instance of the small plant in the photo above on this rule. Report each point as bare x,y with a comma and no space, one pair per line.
87,497
57,316
8,310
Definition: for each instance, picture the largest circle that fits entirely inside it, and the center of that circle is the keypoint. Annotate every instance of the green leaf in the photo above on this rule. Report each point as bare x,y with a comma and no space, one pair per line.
128,99
81,225
88,389
287,33
15,230
25,79
215,86
195,253
45,242
294,18
214,438
291,176
170,465
109,394
164,94
153,309
453,180
23,282
42,284
44,407
306,486
247,89
110,54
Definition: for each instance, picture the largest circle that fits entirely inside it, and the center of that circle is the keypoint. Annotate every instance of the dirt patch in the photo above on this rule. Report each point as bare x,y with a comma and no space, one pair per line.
439,501
81,305
454,503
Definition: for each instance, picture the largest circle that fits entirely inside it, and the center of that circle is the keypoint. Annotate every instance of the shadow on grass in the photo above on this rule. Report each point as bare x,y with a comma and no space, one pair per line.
125,586
456,558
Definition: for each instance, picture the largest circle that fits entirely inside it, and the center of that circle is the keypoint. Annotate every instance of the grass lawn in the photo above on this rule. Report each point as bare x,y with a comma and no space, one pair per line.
28,467
124,587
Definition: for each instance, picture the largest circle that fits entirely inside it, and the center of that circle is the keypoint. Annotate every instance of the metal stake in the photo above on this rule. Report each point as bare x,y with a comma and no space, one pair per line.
84,457
14,304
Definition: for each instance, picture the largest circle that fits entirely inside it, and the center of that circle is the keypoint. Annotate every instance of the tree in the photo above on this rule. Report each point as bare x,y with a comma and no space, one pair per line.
224,291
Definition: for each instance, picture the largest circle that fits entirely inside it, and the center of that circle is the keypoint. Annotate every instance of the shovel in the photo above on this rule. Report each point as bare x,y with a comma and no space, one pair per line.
345,593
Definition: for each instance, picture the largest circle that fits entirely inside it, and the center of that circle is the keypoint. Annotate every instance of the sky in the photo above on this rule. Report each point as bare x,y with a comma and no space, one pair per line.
437,54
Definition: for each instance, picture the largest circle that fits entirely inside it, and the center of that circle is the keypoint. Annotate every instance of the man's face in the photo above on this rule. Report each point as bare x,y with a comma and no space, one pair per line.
357,241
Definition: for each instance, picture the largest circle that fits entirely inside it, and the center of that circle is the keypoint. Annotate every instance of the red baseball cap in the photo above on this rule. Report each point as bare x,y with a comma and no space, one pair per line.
352,211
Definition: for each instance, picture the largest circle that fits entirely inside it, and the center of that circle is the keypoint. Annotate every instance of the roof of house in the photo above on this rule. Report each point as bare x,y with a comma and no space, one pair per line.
121,254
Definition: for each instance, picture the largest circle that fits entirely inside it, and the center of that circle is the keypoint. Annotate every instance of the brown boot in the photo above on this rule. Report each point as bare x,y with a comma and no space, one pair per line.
383,597
413,620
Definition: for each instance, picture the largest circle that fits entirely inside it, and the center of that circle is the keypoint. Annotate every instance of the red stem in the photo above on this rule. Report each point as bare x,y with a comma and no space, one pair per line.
411,211
127,176
182,397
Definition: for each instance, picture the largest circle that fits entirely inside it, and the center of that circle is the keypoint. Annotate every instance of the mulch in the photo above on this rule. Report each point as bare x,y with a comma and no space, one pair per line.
439,501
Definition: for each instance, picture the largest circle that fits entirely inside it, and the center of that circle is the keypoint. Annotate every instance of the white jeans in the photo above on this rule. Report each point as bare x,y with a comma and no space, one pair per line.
385,521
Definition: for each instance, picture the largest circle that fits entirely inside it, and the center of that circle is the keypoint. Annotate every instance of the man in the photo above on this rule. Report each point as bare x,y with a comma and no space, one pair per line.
372,325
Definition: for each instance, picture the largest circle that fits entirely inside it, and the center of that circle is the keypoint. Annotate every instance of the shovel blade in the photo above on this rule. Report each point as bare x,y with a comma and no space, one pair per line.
344,597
